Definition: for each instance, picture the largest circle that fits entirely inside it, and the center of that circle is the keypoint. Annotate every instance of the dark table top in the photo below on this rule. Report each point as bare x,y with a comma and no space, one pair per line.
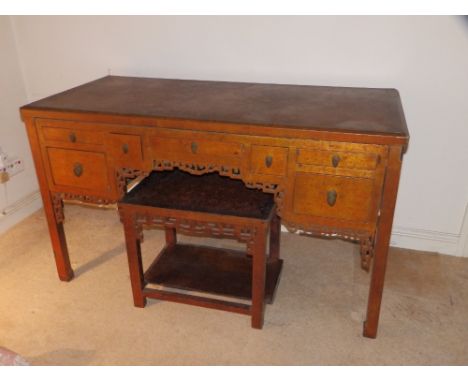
360,110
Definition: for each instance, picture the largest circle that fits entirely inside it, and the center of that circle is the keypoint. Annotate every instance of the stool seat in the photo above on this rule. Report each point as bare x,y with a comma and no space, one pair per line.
210,193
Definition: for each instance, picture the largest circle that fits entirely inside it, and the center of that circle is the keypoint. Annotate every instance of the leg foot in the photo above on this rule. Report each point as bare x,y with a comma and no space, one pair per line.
257,322
139,302
369,332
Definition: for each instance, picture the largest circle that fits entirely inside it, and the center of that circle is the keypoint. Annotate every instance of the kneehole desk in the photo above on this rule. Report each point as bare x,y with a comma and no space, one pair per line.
330,156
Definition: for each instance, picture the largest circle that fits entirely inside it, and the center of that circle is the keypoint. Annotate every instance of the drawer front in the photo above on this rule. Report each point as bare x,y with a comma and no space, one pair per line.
126,150
338,159
269,160
182,148
81,169
71,136
334,197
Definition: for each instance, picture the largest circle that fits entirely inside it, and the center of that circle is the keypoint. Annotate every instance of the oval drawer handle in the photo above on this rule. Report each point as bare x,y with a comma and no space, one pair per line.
336,160
78,169
125,148
268,161
331,197
72,137
194,147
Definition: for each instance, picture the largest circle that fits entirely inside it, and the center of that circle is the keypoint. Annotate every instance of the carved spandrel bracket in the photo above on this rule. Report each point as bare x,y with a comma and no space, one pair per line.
270,188
59,197
57,204
243,234
123,175
367,251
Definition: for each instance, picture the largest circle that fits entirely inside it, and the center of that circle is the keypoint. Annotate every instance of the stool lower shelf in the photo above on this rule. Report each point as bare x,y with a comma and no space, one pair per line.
215,271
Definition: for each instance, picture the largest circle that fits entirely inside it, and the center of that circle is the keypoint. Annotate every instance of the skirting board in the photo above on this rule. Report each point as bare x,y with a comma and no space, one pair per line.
425,240
403,237
442,242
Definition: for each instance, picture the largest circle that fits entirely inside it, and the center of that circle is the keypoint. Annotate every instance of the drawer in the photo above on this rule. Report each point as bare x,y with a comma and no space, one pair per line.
335,197
82,169
126,150
180,148
268,160
338,159
72,136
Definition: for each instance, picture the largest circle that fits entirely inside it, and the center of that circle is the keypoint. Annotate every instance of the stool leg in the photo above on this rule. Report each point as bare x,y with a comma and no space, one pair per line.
135,264
275,235
171,236
258,279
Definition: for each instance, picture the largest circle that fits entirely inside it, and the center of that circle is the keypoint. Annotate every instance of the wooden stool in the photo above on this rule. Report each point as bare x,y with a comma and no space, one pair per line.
209,206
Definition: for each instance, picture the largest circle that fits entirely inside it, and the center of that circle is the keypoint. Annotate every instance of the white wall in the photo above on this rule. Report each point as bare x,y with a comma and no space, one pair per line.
426,58
13,139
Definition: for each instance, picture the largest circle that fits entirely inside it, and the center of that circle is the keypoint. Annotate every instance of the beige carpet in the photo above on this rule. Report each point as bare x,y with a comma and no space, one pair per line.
316,318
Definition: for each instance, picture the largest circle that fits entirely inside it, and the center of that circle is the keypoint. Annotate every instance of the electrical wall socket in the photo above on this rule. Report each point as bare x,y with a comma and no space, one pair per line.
9,166
14,166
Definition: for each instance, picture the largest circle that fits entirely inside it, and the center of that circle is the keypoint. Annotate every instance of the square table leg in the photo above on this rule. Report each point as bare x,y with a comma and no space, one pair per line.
134,260
258,278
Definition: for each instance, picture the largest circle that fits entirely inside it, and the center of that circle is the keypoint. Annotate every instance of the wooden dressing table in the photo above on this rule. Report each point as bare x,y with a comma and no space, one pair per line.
331,156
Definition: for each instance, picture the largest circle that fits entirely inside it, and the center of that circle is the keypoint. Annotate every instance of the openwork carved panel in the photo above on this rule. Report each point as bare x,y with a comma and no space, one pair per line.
197,169
59,197
243,234
326,232
265,187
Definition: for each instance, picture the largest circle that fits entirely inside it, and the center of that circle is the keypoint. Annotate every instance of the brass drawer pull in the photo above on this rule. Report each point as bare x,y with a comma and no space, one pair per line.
194,147
125,148
268,161
72,137
78,169
331,197
336,160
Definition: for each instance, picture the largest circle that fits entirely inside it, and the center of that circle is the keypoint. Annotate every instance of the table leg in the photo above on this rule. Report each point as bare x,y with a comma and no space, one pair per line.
54,215
171,236
275,237
382,243
56,231
258,278
135,264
